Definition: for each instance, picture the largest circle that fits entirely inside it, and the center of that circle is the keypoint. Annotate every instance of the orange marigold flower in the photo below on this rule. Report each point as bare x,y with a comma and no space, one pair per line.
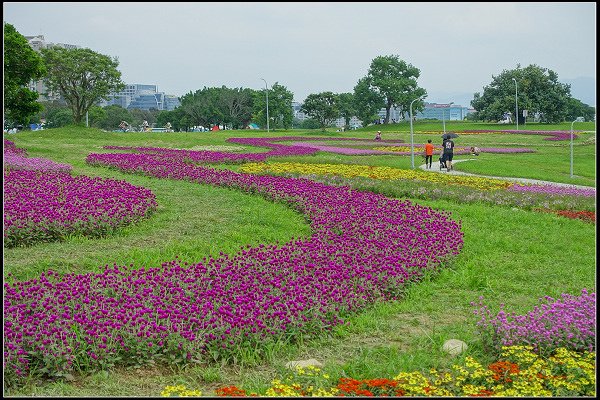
230,391
502,370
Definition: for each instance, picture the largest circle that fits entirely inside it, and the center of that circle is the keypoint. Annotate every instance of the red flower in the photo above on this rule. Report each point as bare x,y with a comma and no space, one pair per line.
502,370
230,391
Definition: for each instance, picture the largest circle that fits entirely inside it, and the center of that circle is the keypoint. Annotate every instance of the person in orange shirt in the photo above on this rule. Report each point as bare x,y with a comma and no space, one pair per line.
428,154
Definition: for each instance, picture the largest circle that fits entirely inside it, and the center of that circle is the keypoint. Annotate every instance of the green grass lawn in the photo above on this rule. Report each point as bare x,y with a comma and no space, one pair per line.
510,256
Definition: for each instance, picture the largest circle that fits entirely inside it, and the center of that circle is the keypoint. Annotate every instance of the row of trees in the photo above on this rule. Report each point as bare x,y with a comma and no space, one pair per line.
83,77
537,90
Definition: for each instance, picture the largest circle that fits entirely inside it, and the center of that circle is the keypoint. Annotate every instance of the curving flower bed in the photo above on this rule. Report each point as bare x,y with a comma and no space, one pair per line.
17,159
584,215
380,173
458,150
553,190
553,135
48,206
364,248
43,202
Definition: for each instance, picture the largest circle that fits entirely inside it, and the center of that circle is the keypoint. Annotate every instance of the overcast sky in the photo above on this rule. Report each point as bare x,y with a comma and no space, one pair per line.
315,47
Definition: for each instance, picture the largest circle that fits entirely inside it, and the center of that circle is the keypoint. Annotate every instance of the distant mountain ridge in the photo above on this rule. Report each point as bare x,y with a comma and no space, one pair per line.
582,89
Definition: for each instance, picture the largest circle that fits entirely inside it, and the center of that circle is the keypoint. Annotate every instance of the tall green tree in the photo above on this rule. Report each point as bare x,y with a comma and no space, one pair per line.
82,77
21,65
346,108
113,115
322,107
395,81
59,117
367,102
202,107
236,106
138,116
281,114
96,115
576,109
537,90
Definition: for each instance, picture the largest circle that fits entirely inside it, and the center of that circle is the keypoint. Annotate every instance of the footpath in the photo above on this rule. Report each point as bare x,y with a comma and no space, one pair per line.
435,167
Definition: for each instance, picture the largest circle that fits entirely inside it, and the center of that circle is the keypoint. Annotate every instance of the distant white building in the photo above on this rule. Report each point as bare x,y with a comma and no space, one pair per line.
142,97
441,111
38,43
138,96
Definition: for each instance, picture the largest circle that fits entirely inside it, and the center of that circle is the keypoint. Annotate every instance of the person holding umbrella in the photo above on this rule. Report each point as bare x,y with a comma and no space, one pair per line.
448,146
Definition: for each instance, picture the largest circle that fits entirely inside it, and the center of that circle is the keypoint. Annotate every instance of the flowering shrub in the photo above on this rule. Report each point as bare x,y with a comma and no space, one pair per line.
48,206
569,323
519,372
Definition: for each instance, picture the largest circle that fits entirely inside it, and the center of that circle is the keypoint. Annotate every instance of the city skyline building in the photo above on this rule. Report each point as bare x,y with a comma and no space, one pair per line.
38,43
134,96
142,97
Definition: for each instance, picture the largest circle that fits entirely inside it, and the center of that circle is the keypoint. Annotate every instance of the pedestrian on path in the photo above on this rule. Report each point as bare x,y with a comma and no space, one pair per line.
448,153
428,154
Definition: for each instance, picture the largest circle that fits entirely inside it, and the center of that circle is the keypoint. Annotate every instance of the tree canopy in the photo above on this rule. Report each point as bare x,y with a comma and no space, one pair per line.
537,90
322,107
366,102
281,114
347,108
82,76
21,65
395,82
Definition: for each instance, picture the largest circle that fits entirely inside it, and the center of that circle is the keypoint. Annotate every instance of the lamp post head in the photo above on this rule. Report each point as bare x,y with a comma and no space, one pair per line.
579,119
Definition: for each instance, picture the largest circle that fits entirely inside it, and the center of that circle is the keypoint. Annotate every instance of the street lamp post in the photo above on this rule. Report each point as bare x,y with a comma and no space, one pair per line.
412,146
267,93
444,115
516,104
578,119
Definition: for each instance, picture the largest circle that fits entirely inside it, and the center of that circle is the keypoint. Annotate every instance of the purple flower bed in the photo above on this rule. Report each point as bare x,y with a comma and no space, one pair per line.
49,205
554,135
299,148
10,147
504,150
206,156
18,162
364,248
349,151
16,158
553,190
569,322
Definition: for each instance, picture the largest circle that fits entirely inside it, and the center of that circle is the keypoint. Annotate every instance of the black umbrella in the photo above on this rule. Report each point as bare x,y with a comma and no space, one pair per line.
449,135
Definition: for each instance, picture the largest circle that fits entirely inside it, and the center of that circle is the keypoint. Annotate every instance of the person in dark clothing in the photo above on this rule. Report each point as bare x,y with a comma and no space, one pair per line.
448,153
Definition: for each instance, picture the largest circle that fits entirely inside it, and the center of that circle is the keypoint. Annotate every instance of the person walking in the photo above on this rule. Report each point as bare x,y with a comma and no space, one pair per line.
448,153
428,154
